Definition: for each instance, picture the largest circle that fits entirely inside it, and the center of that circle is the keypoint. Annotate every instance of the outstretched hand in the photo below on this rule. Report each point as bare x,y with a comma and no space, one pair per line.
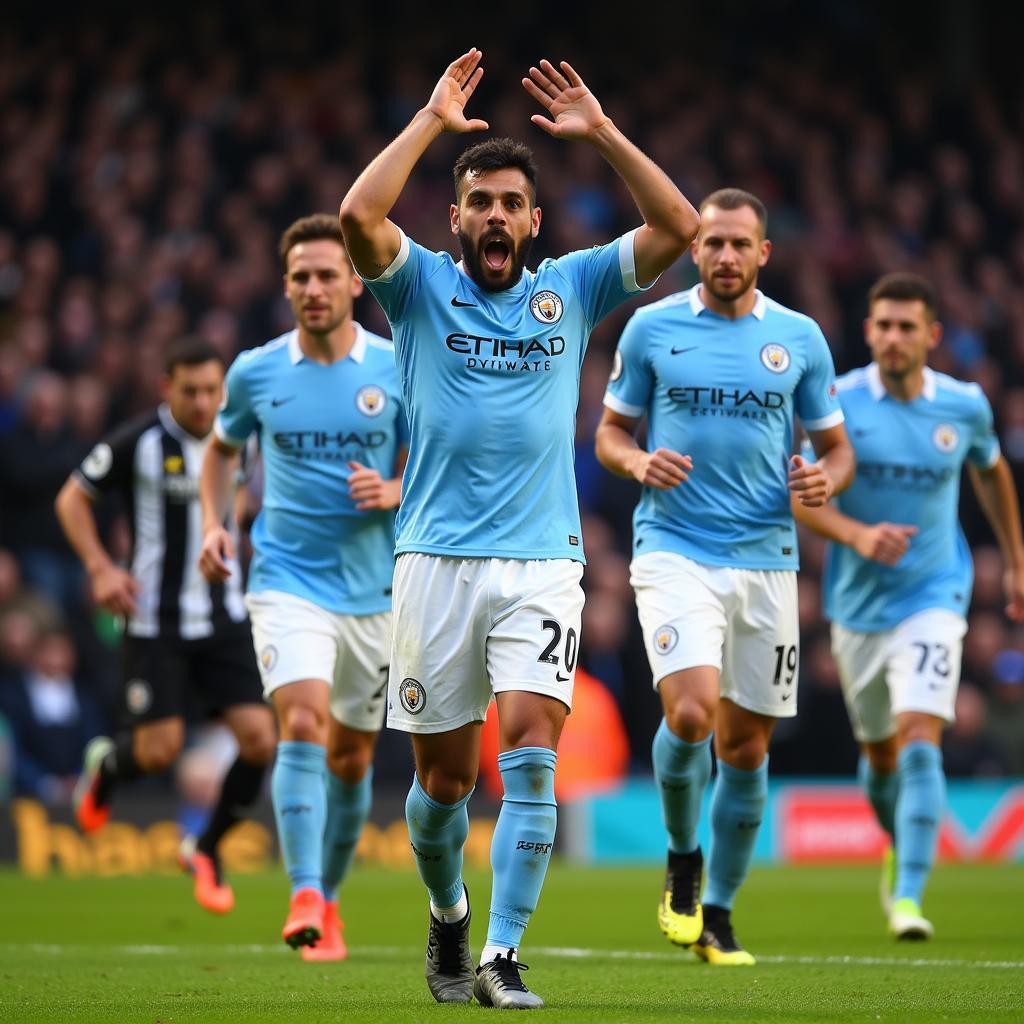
575,112
451,94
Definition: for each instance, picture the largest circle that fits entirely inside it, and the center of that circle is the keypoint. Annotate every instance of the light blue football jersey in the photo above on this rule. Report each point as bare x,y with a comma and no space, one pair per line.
491,381
725,392
909,460
308,539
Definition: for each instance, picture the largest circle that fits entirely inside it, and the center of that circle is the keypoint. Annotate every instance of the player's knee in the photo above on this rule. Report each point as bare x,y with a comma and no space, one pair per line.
448,787
746,753
690,719
257,746
304,725
349,765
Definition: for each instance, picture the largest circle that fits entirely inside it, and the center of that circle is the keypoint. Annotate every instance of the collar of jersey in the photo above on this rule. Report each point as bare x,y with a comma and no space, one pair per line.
697,304
171,425
357,352
877,388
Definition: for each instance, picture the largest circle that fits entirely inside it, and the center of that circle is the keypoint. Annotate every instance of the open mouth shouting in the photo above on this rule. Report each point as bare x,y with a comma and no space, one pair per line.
497,253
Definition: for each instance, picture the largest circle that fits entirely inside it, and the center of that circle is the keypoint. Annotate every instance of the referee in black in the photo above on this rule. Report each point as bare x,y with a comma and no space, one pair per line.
186,640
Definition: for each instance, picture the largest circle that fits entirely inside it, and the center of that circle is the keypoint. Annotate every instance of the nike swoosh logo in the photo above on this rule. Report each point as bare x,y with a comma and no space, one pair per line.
275,402
786,696
460,305
680,351
561,678
861,433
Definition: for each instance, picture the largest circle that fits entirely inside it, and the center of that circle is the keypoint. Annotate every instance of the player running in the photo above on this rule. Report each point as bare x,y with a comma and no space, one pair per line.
487,582
184,638
719,371
897,592
325,401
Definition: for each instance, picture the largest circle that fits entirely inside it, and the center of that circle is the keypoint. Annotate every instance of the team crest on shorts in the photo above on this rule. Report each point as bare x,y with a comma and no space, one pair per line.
138,696
370,400
412,696
665,639
616,366
546,307
268,657
945,437
775,357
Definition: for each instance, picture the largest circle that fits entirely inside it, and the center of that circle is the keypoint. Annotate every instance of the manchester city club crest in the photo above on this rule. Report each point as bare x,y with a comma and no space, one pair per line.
268,657
546,307
412,696
665,638
370,400
775,357
945,437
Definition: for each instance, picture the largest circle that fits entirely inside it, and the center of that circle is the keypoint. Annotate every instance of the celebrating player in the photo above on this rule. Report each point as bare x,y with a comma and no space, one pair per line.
325,401
181,633
897,592
719,370
487,583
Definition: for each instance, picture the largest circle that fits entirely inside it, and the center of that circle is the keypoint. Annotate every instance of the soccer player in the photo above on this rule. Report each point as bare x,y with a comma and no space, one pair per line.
487,582
325,401
719,371
183,637
897,592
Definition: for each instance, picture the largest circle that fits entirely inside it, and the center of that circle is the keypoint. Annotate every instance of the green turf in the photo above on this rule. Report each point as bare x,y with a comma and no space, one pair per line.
75,950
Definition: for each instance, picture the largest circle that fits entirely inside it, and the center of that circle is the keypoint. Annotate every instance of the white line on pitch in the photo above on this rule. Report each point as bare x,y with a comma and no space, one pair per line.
567,952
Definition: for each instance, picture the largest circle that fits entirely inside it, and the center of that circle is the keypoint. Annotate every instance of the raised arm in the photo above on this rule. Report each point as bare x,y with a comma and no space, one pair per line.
114,588
372,240
618,452
997,496
670,222
214,495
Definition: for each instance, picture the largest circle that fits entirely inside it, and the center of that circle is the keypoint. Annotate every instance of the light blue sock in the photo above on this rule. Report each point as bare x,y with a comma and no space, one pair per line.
297,789
681,771
348,806
522,841
737,806
882,790
437,833
918,815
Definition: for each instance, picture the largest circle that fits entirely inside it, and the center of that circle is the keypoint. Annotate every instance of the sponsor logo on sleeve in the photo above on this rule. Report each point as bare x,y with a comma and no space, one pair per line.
98,462
616,367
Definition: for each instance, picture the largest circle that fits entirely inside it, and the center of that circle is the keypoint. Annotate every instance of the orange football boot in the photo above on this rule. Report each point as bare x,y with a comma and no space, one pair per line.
304,925
90,812
332,944
212,893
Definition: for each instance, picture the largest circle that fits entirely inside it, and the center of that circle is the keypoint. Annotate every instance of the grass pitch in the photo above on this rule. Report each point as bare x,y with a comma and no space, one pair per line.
139,951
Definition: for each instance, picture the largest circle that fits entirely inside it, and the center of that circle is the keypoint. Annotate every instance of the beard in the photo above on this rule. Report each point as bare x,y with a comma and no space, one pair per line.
473,260
732,291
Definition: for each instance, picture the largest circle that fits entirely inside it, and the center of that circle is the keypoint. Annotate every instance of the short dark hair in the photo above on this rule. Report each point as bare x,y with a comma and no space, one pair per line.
314,228
736,199
903,286
496,155
190,350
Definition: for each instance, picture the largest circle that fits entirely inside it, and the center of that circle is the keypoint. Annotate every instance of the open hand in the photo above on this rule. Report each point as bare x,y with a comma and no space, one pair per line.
451,94
575,112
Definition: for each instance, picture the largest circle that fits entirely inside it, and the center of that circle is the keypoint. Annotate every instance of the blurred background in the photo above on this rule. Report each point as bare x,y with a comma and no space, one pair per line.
150,160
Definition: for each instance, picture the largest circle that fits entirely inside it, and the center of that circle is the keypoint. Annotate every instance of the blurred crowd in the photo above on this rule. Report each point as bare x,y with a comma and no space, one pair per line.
147,168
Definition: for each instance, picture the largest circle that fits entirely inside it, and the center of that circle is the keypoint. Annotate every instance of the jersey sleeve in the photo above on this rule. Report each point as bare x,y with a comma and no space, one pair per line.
983,446
399,285
631,383
236,418
108,468
603,277
816,399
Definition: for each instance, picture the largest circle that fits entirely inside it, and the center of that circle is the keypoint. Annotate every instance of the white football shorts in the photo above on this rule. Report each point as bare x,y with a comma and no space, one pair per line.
297,639
914,666
469,627
743,622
